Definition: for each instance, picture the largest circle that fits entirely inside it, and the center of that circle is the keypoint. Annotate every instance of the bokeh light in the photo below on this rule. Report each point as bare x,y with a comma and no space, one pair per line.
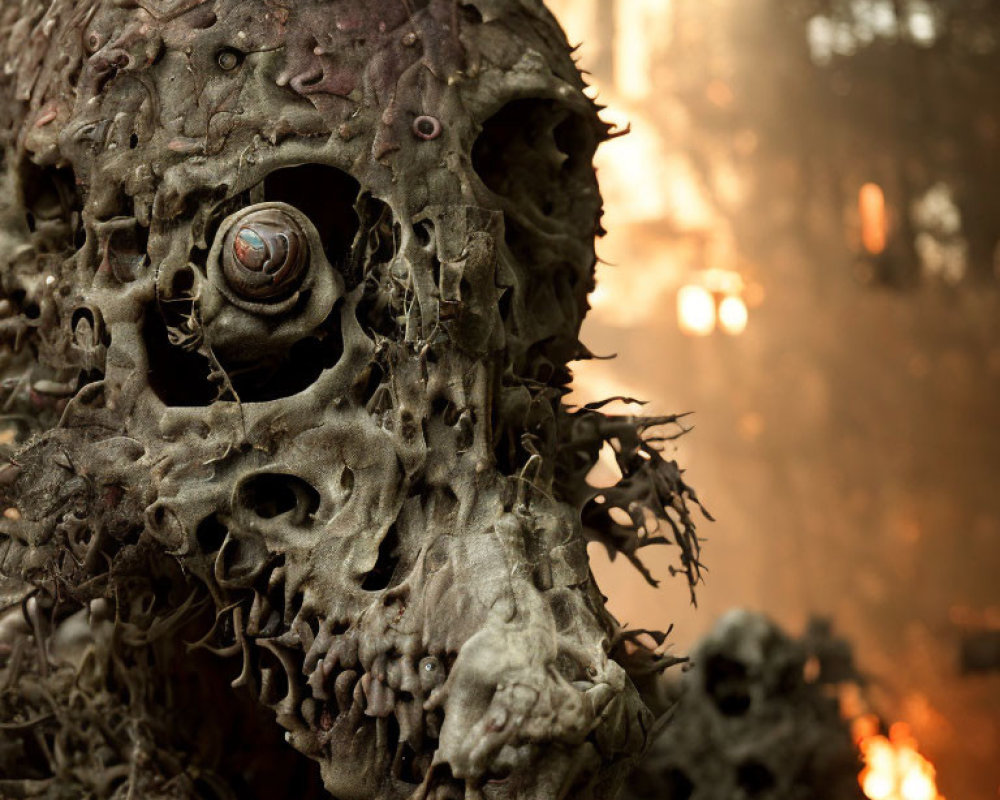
695,310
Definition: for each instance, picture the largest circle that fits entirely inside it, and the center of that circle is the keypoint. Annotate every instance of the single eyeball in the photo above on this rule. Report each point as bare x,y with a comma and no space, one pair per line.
265,256
426,127
229,58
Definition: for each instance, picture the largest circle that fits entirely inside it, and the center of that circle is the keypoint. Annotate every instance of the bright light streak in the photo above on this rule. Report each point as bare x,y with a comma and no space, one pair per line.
695,310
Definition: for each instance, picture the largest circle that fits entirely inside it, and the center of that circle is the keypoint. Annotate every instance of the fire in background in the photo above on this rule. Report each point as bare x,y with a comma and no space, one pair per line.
830,171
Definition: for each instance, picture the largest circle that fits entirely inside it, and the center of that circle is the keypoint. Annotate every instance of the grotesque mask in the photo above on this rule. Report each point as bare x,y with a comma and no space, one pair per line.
290,288
758,715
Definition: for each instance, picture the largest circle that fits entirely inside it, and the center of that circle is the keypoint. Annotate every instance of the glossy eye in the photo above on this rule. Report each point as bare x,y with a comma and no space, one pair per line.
427,127
265,256
229,58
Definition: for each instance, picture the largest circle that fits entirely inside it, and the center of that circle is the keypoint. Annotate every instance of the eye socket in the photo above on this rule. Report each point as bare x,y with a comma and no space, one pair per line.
426,127
229,58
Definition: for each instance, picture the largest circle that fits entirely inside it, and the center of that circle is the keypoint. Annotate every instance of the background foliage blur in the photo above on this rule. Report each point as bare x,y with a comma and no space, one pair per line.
804,249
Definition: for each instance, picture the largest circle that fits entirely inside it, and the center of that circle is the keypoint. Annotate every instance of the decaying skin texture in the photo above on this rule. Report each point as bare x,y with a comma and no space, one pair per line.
756,716
289,291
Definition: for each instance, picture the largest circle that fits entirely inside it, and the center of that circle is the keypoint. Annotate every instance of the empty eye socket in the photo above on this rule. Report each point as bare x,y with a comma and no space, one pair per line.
229,58
426,127
537,154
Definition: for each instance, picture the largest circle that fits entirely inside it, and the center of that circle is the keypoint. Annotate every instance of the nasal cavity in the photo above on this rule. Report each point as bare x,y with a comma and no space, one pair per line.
270,495
328,196
383,574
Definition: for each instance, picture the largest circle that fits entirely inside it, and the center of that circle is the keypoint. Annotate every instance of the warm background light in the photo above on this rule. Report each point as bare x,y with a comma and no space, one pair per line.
827,165
894,769
733,315
695,310
874,226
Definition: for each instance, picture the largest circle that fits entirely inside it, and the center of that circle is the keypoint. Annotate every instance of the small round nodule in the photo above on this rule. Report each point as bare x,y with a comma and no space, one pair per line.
265,255
426,127
229,58
93,42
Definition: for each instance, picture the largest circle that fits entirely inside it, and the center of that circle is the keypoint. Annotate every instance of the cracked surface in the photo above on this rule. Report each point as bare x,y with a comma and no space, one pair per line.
289,293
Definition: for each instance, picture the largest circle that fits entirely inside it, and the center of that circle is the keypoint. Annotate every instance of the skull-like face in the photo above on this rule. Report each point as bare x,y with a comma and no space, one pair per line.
752,721
328,261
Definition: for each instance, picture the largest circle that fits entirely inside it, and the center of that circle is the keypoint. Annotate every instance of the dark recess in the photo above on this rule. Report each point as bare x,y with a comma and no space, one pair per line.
727,683
328,197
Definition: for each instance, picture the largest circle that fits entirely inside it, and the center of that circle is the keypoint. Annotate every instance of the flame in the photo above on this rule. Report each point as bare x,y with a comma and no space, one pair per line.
874,225
894,769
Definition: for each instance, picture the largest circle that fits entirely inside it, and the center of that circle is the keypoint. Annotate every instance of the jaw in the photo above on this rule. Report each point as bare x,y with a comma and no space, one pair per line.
482,724
459,677
355,770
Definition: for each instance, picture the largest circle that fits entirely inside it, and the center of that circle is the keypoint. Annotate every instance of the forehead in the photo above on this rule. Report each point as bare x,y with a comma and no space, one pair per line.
236,84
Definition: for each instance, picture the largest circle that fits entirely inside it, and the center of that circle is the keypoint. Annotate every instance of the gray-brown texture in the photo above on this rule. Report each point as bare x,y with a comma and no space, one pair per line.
756,718
289,290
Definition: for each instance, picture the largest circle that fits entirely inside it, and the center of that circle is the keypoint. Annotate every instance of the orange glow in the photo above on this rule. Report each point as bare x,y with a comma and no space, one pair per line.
664,223
894,770
719,94
733,315
874,225
695,310
722,281
643,30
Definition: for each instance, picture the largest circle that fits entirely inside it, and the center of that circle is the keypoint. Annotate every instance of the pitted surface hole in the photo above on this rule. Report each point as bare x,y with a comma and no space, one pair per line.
178,376
755,778
211,533
125,251
347,480
677,785
381,575
727,682
406,769
50,196
270,495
